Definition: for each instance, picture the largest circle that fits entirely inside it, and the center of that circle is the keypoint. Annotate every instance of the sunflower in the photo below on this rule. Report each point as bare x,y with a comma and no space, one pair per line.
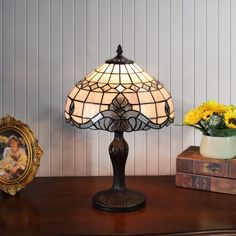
193,116
207,114
230,107
230,118
214,107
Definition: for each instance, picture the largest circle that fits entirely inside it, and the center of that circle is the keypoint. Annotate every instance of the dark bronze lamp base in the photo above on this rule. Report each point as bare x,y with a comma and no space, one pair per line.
119,198
119,201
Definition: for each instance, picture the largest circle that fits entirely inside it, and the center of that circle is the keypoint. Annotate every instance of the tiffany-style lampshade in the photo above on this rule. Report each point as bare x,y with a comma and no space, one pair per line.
119,96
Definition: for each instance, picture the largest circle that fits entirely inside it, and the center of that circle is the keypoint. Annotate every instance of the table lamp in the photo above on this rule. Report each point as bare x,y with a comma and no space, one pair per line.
119,97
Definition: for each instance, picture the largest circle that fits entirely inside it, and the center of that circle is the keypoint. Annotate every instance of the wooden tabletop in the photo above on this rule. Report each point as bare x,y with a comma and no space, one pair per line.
62,206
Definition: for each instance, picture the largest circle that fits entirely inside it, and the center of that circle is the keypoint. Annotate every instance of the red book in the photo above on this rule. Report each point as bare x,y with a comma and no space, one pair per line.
207,183
192,162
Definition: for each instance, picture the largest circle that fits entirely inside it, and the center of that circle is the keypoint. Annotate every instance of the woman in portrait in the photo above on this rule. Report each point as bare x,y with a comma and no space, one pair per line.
14,159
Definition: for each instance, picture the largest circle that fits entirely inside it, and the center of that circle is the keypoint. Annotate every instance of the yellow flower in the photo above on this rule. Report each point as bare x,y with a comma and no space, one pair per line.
193,116
207,114
230,107
213,106
230,118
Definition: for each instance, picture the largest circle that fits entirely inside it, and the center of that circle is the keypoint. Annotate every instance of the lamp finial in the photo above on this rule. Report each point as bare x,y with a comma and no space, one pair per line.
119,50
119,58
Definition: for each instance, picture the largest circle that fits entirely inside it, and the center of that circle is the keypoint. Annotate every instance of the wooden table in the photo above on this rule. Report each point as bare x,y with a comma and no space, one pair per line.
62,206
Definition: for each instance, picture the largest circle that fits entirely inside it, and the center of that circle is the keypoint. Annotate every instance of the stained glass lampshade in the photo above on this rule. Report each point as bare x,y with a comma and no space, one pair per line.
119,97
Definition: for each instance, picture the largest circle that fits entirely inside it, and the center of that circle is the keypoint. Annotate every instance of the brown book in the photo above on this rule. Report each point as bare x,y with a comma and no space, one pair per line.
207,183
191,161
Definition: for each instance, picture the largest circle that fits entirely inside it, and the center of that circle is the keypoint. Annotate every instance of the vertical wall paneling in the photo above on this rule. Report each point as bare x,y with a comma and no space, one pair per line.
200,57
80,72
103,54
20,59
164,77
128,48
140,58
46,46
224,51
233,51
44,84
116,24
8,55
212,49
152,68
188,67
56,111
68,81
1,59
32,65
92,63
176,79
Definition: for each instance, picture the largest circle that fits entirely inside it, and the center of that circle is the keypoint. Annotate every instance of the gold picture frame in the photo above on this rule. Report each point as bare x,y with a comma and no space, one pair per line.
20,155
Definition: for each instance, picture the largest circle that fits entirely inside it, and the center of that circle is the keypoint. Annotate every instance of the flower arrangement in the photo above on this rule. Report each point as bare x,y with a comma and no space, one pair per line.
213,119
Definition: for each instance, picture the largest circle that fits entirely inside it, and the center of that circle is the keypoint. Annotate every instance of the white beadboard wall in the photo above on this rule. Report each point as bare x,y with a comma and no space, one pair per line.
48,45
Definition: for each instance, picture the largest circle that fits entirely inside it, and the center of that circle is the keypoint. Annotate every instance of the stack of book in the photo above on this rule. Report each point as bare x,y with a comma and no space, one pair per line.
198,172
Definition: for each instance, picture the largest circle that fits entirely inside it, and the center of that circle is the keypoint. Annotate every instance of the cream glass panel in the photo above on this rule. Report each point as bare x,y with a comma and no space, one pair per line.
96,77
165,93
161,109
145,97
116,69
78,108
81,96
129,69
115,79
170,102
73,92
125,79
90,110
94,97
103,108
91,75
102,68
135,78
77,119
142,78
109,69
132,98
157,95
104,78
161,120
123,69
108,97
136,108
149,110
149,77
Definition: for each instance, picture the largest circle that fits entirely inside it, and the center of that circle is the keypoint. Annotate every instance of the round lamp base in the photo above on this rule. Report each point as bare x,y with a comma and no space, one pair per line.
119,201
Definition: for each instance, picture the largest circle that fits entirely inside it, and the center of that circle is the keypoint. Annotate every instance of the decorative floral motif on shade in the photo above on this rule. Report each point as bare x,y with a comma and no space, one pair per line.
119,97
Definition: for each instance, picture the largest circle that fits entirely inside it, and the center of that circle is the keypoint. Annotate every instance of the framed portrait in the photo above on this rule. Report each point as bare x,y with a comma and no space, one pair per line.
20,155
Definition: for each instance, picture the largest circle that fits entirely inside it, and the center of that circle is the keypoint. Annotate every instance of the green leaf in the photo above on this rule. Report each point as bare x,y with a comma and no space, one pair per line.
221,132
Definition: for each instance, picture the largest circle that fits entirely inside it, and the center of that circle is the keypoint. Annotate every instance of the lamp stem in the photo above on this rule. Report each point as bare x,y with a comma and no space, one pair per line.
118,151
118,198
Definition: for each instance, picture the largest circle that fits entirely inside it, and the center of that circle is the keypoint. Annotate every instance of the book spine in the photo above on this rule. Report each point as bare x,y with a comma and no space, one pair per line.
203,167
207,183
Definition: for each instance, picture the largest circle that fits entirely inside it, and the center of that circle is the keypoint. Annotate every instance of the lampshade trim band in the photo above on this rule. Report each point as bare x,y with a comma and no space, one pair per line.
121,117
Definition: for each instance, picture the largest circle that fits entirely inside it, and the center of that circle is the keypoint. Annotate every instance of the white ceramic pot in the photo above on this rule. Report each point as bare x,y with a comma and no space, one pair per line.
218,147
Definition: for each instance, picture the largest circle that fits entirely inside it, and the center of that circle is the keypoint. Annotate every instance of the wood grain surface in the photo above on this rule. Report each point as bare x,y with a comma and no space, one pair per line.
62,206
